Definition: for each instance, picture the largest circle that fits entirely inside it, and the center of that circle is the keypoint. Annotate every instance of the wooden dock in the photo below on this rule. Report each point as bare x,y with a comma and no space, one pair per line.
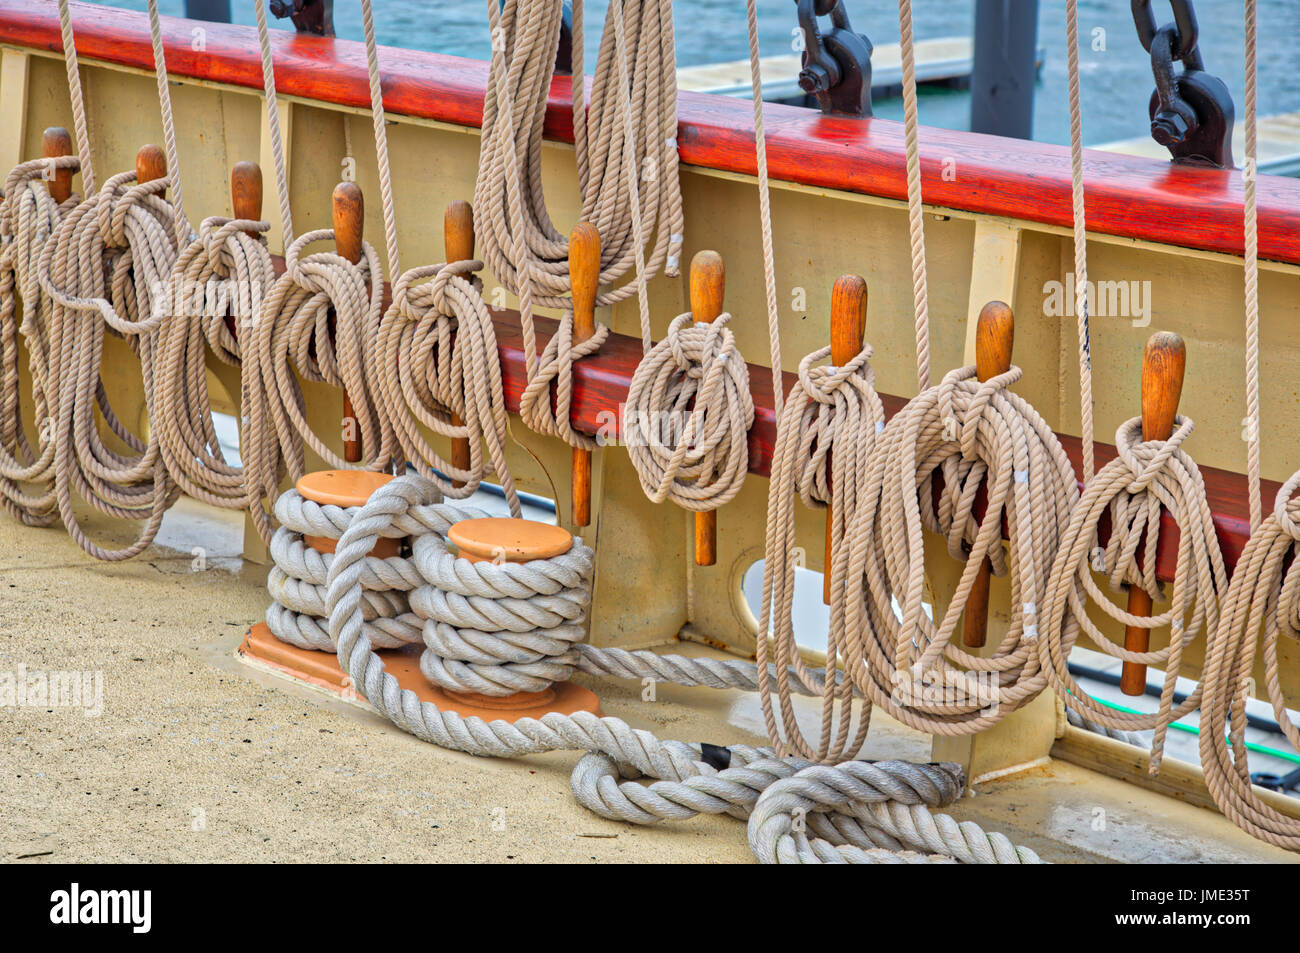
1278,136
944,60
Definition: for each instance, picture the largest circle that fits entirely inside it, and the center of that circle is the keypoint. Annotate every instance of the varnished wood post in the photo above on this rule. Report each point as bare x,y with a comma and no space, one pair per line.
246,192
1163,364
349,214
57,142
458,245
150,163
708,285
848,326
994,336
584,282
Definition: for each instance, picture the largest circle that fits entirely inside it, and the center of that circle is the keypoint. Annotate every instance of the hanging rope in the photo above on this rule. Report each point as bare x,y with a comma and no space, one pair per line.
828,425
1264,598
915,219
688,413
627,172
107,267
1131,491
968,434
438,348
1251,229
29,216
1079,217
687,784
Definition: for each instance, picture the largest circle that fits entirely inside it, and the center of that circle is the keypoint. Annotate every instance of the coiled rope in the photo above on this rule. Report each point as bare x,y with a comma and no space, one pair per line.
627,173
968,434
297,582
686,784
29,216
1132,490
688,414
437,346
1264,598
828,426
106,268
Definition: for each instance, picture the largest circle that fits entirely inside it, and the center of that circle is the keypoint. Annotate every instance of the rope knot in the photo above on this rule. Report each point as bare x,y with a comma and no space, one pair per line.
822,382
1286,508
1147,459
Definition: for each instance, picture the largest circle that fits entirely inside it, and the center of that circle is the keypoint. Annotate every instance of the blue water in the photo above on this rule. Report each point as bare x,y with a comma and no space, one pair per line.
1116,80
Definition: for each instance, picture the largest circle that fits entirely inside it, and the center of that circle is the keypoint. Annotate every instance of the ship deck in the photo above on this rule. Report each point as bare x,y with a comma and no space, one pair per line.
197,756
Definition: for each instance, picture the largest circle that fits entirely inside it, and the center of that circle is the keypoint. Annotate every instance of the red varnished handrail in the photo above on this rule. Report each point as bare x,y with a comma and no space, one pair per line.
1130,196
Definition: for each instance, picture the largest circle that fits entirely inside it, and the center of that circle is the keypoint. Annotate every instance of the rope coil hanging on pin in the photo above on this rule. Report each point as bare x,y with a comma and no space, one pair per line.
106,270
29,216
437,343
1147,477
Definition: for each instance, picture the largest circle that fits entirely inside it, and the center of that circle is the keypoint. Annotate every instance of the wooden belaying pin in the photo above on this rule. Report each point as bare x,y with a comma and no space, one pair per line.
458,245
584,282
56,142
246,192
708,281
349,214
994,336
848,327
1163,362
150,163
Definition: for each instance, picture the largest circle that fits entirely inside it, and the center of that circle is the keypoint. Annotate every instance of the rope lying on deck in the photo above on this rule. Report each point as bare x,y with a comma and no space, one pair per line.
687,784
1131,491
28,217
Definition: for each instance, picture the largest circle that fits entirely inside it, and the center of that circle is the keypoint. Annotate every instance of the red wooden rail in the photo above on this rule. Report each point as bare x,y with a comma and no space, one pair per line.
1129,196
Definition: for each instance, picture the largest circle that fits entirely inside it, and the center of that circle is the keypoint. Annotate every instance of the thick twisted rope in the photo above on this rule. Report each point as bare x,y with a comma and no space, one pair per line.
968,434
298,581
1250,226
1131,491
28,218
828,427
688,415
915,216
687,784
1263,600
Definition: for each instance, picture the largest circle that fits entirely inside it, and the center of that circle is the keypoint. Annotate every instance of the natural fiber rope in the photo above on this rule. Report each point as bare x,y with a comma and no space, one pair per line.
107,269
79,124
225,271
827,428
298,613
915,219
528,255
273,123
1079,217
293,333
687,785
765,210
968,434
1264,598
688,413
28,217
437,348
1251,229
1132,490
